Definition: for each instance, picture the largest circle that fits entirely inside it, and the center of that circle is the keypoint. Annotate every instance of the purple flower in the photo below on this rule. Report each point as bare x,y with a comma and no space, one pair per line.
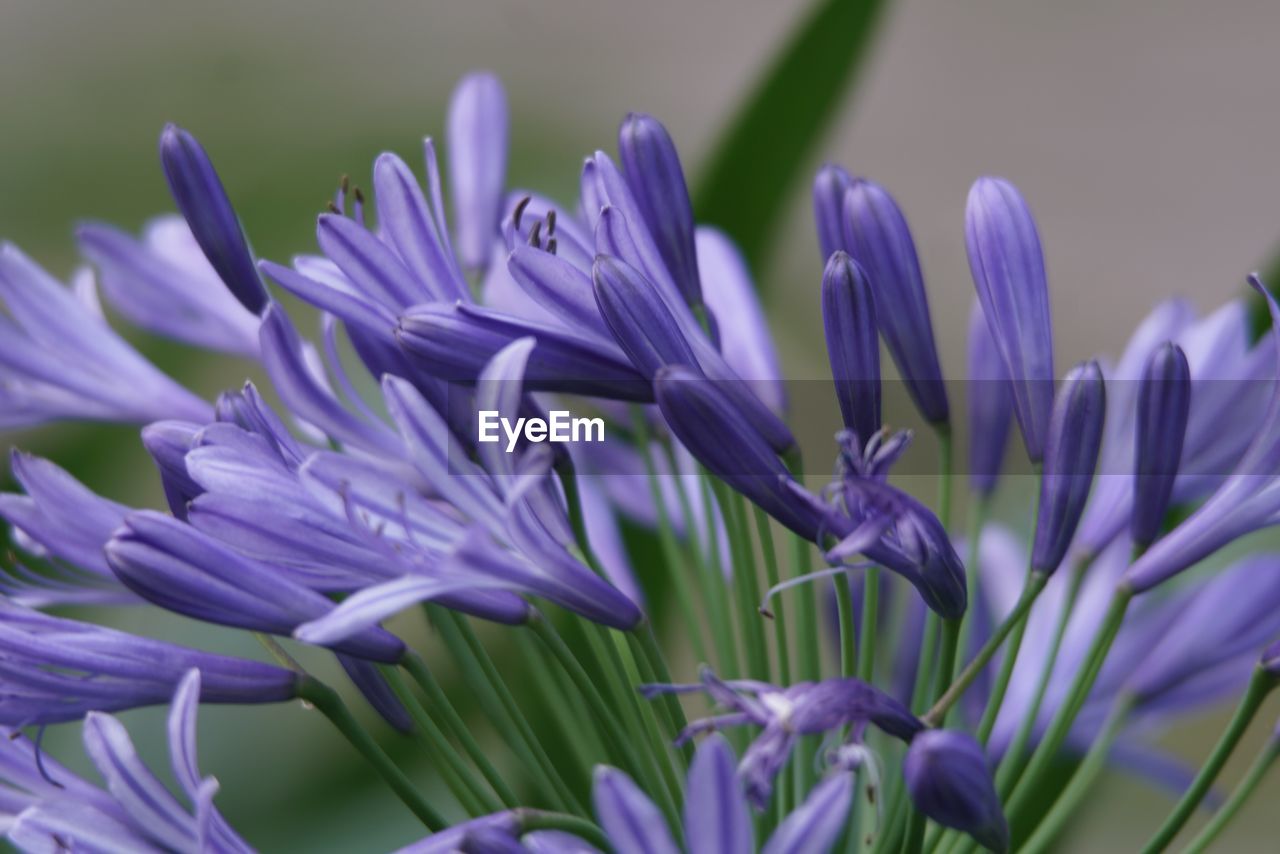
1008,271
200,196
949,780
896,531
1071,456
60,360
1246,501
477,137
849,319
638,318
990,406
877,236
704,417
62,520
136,811
1164,403
716,817
653,172
164,283
784,714
55,670
177,567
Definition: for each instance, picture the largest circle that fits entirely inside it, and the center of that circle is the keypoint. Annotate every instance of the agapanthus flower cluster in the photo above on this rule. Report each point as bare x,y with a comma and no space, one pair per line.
357,485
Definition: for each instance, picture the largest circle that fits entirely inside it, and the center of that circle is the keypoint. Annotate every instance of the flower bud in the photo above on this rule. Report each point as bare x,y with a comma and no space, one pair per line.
1164,403
1008,271
652,169
990,406
877,236
1071,455
849,317
949,780
829,187
200,197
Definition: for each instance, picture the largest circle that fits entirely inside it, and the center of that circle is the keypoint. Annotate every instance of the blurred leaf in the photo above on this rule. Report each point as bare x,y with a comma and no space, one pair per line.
760,156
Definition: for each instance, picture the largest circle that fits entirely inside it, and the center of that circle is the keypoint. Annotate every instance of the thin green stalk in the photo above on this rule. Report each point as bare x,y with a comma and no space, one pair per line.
715,585
1239,797
913,837
977,521
650,654
1260,686
475,799
457,727
765,533
946,450
848,628
554,688
1082,780
1056,734
745,584
502,709
675,562
629,678
870,620
1030,591
1001,686
1015,758
327,701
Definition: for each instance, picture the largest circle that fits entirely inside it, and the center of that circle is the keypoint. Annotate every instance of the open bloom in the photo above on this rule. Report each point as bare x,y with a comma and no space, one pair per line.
786,713
51,808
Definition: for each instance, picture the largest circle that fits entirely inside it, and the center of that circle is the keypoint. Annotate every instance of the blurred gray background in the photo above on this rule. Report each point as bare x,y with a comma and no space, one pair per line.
1143,134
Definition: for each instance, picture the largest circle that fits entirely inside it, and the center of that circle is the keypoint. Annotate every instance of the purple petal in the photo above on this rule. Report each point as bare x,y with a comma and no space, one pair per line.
631,821
715,811
477,149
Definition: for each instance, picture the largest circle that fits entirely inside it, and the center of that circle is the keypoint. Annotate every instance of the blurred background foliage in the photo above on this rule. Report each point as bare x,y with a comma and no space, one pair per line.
1142,133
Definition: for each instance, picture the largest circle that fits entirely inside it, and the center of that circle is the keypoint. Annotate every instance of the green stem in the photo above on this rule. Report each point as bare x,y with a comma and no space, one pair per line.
1030,591
870,618
1001,686
1259,687
1238,798
327,701
1015,758
946,450
715,584
471,794
977,521
675,562
453,722
774,577
1082,780
745,583
1056,734
501,707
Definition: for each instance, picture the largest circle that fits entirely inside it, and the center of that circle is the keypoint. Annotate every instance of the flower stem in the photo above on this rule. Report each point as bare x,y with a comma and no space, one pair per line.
1015,759
870,618
1243,792
471,794
327,701
1056,734
1082,780
765,534
1260,686
501,707
1001,686
1016,618
453,722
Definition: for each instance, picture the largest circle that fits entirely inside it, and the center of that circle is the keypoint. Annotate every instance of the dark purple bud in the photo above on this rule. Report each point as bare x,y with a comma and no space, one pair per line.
1008,271
829,188
949,780
709,424
1070,458
853,346
653,173
200,197
640,321
877,236
990,406
168,443
1164,403
455,342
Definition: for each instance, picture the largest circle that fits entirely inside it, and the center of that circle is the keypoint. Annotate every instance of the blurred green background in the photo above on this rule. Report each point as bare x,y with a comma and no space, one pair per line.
1143,135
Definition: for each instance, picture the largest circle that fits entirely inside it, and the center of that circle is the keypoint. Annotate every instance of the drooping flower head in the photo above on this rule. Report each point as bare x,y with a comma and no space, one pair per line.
950,781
